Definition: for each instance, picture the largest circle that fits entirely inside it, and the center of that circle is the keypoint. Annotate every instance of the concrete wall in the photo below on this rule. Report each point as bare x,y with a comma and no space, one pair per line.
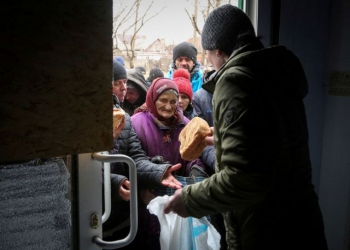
55,78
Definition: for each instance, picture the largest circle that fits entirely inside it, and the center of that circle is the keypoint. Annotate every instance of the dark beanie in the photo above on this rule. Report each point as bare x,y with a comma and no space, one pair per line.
119,71
223,28
155,73
156,89
185,49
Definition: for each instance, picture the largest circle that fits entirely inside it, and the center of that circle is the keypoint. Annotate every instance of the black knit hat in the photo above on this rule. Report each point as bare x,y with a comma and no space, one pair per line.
119,71
185,49
155,73
224,27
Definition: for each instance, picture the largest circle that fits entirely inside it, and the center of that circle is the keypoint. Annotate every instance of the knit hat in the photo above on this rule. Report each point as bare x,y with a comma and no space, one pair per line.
119,71
156,89
185,49
120,59
223,28
182,78
142,69
155,73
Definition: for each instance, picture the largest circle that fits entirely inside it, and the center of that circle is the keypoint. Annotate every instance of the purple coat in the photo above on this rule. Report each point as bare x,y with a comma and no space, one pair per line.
151,137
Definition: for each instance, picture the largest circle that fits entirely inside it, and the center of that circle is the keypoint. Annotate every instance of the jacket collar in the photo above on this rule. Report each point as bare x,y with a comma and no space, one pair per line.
240,52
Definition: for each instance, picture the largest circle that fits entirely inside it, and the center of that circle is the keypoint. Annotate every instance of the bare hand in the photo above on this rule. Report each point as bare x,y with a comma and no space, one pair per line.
169,180
146,196
176,205
124,190
209,140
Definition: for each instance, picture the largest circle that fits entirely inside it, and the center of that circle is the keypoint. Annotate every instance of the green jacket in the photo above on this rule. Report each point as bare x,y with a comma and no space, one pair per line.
263,182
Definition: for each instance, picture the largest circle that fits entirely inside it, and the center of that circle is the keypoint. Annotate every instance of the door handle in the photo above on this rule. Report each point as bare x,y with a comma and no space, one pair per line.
133,200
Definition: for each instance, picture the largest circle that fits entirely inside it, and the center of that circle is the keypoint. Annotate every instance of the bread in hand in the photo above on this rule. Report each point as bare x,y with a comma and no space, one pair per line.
118,117
192,138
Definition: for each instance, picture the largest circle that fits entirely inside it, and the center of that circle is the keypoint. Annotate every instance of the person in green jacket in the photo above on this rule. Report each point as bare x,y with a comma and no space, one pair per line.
262,184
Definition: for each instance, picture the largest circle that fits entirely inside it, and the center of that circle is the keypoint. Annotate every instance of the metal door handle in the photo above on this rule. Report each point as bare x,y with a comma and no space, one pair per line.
133,200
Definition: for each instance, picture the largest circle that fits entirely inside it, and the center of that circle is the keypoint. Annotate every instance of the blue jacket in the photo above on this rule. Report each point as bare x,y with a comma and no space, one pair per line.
196,76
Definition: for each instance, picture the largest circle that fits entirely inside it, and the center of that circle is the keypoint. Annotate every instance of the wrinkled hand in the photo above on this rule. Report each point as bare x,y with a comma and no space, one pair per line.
209,140
169,180
124,190
146,196
118,129
176,205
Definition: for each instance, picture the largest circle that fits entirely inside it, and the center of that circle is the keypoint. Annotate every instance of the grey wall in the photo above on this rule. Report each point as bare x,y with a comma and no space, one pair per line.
317,31
335,174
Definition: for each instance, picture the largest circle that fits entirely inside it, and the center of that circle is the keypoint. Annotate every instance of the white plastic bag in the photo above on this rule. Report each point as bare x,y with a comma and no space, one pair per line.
177,233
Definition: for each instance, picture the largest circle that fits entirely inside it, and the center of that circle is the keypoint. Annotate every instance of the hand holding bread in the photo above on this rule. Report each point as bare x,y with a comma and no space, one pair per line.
192,138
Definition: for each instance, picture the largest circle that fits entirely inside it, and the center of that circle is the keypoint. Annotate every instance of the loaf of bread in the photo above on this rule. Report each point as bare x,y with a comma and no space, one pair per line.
118,117
192,138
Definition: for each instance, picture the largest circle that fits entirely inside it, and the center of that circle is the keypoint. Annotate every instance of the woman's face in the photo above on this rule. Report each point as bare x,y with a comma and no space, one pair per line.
166,105
184,100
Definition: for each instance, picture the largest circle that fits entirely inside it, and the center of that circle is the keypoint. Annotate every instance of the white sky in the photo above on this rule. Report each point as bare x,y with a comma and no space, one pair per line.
172,23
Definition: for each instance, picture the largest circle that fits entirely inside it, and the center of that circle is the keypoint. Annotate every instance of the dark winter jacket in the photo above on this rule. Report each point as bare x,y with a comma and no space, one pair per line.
203,101
263,173
196,76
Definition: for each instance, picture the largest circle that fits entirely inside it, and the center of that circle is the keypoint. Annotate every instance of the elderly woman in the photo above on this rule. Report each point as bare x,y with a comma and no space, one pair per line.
158,127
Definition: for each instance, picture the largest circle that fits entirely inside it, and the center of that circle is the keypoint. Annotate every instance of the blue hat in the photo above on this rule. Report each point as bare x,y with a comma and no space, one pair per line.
120,59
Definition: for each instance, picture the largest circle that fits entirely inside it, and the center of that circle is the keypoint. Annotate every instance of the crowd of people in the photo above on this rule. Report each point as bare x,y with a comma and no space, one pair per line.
256,168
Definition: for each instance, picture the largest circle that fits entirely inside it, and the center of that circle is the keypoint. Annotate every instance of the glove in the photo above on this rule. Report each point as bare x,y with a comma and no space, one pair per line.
197,171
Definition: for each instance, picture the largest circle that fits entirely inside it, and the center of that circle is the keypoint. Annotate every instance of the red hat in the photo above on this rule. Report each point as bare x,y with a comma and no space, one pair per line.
158,86
182,79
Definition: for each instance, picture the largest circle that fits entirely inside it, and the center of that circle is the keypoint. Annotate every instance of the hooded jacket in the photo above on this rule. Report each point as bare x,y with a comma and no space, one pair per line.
136,78
262,183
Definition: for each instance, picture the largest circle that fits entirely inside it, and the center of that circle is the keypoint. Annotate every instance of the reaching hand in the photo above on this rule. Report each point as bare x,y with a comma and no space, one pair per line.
124,190
169,180
176,205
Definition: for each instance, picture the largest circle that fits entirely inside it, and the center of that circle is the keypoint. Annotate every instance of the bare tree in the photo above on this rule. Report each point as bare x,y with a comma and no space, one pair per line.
205,9
127,23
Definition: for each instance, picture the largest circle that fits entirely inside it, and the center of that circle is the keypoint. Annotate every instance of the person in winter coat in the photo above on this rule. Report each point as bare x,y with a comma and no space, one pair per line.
185,57
126,142
158,128
202,101
182,79
136,91
263,183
